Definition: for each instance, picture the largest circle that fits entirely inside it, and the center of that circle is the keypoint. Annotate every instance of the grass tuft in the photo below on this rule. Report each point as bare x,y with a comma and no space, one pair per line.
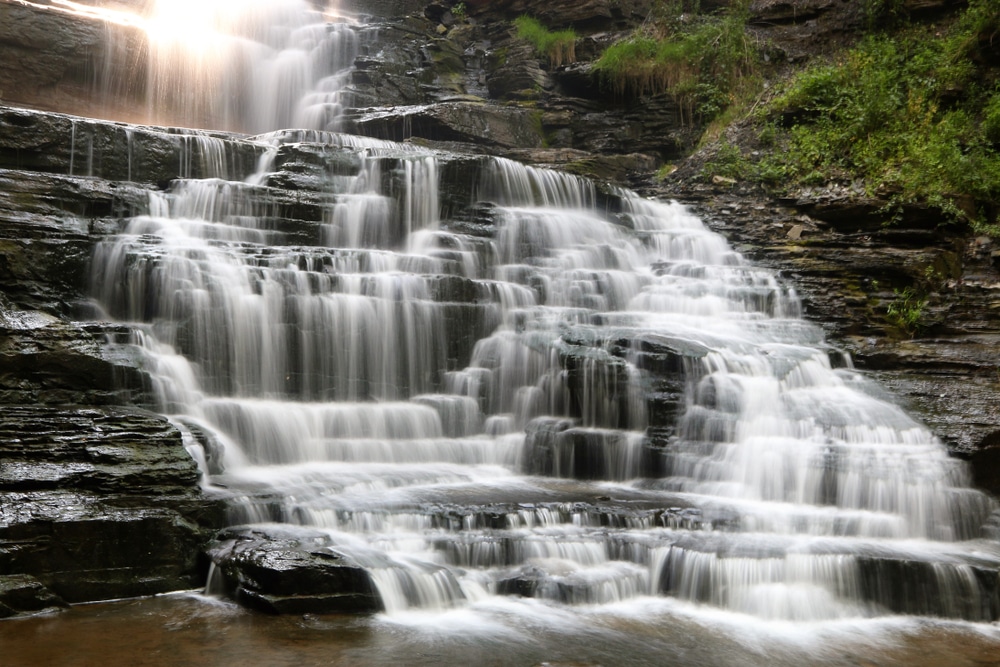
704,62
558,46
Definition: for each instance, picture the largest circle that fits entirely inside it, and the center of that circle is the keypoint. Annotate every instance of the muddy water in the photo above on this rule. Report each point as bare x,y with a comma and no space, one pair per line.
195,631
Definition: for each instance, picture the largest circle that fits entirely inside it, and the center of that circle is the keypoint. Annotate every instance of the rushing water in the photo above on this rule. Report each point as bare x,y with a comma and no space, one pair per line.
329,378
477,410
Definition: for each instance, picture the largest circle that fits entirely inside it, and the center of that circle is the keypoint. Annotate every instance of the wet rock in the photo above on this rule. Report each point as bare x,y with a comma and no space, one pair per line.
515,73
386,8
484,124
23,594
50,57
99,503
48,227
587,453
922,588
48,361
284,570
61,144
787,11
588,14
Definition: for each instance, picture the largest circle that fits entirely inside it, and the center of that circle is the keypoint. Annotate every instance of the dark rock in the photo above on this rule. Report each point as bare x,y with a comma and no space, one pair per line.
585,15
50,142
921,588
984,463
50,361
515,73
23,594
787,11
50,58
285,570
485,124
99,503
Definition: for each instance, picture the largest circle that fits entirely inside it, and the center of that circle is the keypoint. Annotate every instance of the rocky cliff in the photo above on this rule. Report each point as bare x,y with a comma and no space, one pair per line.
101,501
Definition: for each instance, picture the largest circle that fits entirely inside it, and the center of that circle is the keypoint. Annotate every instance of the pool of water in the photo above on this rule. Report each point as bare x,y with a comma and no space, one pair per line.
193,630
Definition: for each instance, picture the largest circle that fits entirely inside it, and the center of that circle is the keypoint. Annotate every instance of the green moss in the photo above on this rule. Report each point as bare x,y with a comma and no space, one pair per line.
559,46
537,125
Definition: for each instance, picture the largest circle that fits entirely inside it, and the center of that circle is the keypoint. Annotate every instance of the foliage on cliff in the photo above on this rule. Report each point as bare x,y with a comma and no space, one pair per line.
914,115
558,46
702,60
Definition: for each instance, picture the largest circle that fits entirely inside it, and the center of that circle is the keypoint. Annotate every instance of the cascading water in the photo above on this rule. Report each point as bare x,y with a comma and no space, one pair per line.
329,377
238,65
475,410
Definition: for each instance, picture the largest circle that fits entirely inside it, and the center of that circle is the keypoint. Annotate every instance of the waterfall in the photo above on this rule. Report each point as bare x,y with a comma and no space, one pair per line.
245,66
474,409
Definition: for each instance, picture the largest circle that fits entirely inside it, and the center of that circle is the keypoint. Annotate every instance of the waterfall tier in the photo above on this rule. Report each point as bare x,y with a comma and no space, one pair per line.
533,387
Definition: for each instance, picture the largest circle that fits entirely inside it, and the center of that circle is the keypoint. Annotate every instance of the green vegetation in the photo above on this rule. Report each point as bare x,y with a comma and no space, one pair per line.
703,61
907,311
559,46
459,11
728,162
911,114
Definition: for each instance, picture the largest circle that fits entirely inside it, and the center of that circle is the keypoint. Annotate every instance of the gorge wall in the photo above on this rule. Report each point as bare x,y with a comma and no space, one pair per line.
89,487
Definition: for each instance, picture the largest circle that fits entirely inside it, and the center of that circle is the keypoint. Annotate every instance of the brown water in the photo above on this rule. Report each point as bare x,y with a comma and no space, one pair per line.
194,631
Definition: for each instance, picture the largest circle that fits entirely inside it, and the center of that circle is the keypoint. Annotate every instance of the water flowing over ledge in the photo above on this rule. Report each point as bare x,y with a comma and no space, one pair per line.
450,387
407,374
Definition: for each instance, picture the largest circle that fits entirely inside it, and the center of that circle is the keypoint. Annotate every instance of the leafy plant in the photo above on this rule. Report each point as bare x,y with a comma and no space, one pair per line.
459,11
728,162
907,114
991,119
559,46
907,311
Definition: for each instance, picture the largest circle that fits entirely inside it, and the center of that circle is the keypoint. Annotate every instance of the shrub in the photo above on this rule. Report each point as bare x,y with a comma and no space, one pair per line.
907,311
991,119
905,113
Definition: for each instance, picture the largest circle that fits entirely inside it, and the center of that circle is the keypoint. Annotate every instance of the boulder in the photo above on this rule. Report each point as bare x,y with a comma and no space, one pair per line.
483,124
287,570
21,594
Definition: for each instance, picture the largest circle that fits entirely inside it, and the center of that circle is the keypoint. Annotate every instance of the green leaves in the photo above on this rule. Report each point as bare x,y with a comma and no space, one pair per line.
907,113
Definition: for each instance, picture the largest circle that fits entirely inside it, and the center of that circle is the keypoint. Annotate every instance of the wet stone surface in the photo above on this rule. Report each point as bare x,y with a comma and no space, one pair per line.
287,570
99,503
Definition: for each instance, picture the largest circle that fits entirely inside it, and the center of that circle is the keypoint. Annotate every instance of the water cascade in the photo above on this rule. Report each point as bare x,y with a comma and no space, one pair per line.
471,415
532,386
240,66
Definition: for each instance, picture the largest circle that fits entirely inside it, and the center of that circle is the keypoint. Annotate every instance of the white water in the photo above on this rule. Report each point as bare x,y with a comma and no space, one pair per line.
239,65
337,379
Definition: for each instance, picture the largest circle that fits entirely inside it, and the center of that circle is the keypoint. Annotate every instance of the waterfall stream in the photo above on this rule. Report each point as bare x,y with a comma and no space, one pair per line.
468,393
325,376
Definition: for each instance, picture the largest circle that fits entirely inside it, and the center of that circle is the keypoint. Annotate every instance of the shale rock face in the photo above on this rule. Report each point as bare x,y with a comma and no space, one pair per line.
98,503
